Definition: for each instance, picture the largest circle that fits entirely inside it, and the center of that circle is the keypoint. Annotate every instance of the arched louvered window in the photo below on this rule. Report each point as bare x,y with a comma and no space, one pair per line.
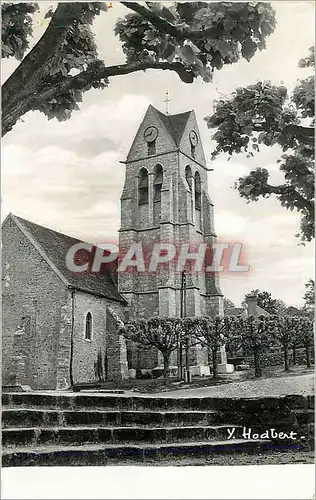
158,180
88,327
197,187
143,187
188,176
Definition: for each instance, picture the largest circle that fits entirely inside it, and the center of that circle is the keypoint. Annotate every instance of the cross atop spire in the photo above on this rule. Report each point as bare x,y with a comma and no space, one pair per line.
167,100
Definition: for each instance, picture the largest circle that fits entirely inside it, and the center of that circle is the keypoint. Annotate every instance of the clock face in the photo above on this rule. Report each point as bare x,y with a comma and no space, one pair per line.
193,138
151,134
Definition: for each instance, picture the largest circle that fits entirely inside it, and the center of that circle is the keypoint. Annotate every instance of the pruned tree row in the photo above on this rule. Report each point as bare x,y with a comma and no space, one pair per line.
255,335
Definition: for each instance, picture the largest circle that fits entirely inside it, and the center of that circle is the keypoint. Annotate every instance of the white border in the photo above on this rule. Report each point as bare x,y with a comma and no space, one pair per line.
288,482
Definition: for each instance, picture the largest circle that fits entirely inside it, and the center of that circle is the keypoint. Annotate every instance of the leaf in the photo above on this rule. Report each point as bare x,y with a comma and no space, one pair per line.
165,49
188,53
248,49
168,14
224,48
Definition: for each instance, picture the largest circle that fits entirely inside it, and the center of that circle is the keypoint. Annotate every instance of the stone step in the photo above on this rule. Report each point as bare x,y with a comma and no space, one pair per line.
82,435
102,454
117,402
305,416
26,417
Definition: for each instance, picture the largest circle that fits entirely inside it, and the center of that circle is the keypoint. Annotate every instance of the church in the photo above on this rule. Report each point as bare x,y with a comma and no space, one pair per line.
62,328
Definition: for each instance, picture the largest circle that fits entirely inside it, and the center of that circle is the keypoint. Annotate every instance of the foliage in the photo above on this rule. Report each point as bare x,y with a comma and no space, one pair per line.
268,359
251,334
286,333
265,300
160,332
192,39
232,30
309,295
306,335
305,331
211,333
17,28
265,114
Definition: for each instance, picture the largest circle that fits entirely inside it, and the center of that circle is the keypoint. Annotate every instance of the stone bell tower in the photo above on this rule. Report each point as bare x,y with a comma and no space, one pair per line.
165,200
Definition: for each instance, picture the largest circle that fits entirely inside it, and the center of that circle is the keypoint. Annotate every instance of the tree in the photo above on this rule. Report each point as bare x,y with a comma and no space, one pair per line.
158,332
265,114
188,339
253,334
306,335
211,333
309,295
285,333
192,39
265,300
295,343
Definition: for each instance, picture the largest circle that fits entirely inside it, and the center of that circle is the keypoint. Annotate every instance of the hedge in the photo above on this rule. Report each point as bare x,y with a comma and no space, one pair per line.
277,358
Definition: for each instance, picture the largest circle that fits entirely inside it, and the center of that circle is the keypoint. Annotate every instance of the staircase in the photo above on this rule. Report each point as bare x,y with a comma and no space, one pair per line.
64,430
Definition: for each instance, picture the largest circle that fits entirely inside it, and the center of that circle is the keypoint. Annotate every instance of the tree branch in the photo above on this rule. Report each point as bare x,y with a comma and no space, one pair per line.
167,27
79,81
303,134
283,189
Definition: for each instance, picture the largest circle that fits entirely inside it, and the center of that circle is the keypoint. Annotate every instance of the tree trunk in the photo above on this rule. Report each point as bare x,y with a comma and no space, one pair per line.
286,358
166,357
258,372
294,354
308,356
214,358
187,360
209,359
22,86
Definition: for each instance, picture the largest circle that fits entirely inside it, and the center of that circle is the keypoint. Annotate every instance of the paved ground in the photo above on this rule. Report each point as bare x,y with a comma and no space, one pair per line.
274,386
296,384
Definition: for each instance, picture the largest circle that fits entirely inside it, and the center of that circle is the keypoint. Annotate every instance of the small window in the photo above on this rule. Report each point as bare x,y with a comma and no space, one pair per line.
192,151
151,148
158,182
88,329
188,176
143,187
197,185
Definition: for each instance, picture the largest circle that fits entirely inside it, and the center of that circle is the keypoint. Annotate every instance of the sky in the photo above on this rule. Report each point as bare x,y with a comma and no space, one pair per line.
68,176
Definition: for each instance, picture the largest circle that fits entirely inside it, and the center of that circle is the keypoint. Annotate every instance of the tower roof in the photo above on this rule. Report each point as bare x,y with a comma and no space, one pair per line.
175,124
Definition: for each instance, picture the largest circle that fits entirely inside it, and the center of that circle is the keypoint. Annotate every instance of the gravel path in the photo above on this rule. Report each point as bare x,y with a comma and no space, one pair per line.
281,386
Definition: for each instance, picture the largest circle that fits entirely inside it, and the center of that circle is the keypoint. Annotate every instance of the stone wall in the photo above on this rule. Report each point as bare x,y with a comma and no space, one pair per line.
37,322
33,296
105,341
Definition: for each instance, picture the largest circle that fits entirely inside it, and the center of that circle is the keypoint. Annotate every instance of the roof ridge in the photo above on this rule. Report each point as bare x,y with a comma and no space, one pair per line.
21,219
53,247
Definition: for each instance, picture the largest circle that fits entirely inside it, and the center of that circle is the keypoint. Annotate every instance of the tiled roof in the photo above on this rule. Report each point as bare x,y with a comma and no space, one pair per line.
175,124
293,311
236,311
241,312
55,246
262,312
